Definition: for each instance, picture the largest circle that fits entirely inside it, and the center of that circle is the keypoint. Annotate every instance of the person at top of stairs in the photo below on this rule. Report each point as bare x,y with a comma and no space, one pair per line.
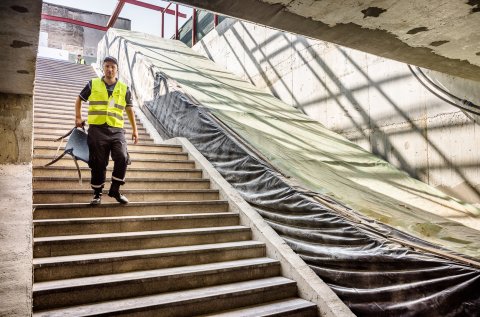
108,98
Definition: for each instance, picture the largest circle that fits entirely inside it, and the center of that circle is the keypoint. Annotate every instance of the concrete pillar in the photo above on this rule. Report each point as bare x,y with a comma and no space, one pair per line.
15,204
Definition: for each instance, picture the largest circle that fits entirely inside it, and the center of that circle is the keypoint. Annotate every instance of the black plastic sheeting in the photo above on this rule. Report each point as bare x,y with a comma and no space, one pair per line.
371,274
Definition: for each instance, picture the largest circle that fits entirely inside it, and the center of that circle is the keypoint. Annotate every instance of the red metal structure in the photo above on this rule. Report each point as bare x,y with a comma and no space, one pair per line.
194,27
116,13
118,10
119,7
72,21
163,19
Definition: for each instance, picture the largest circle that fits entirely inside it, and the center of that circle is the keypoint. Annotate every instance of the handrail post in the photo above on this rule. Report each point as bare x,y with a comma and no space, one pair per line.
176,22
194,27
163,25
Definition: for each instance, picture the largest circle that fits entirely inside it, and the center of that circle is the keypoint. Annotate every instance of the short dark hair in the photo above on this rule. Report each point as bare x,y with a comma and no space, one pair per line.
110,59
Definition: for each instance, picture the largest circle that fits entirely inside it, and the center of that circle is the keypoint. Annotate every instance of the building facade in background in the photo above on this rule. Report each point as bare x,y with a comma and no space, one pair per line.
65,40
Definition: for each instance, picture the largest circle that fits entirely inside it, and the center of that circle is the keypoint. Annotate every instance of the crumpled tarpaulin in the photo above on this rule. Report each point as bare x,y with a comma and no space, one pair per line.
289,168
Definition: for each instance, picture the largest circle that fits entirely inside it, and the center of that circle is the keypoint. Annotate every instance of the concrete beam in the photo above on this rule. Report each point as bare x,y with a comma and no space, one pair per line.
438,35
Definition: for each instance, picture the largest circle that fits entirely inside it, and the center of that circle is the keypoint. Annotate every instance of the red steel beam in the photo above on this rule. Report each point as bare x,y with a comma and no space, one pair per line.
116,13
194,27
176,21
163,19
81,23
154,7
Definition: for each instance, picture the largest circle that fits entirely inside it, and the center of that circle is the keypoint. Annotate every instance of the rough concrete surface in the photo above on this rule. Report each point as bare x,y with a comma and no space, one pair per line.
19,25
16,240
16,117
373,101
439,35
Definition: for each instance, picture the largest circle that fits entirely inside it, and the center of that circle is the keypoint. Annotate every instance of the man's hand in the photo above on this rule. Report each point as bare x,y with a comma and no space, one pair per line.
135,136
79,122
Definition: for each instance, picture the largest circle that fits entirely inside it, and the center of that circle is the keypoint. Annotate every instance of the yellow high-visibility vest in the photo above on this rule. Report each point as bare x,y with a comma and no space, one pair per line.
103,109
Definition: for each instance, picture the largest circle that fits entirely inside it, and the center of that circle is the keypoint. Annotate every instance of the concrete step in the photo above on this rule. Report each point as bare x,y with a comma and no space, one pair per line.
55,109
70,292
290,307
64,106
62,79
48,140
85,210
66,118
125,241
48,69
44,62
67,76
50,122
47,99
142,138
83,265
40,94
61,196
59,71
134,155
51,143
61,129
65,72
71,171
54,85
189,302
61,105
39,160
132,183
83,226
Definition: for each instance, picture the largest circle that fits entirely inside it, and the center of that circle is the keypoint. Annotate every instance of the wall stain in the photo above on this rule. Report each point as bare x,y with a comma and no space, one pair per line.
417,30
19,9
372,12
23,71
438,43
19,44
477,53
475,5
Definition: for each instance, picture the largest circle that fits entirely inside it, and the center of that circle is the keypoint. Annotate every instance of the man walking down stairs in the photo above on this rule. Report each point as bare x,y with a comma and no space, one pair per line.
174,250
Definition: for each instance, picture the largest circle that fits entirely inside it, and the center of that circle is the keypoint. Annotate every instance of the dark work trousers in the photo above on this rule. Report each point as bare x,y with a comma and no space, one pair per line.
104,140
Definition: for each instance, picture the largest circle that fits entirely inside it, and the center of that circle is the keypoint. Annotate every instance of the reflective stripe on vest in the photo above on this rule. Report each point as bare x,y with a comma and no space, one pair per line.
103,109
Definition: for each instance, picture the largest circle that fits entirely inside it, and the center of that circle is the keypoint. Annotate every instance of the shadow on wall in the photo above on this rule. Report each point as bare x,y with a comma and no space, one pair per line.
372,101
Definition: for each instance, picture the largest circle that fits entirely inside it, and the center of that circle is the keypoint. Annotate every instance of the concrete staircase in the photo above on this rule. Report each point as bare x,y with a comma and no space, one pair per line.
175,250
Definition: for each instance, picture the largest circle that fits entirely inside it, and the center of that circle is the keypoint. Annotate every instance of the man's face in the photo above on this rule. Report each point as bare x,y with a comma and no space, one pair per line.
110,69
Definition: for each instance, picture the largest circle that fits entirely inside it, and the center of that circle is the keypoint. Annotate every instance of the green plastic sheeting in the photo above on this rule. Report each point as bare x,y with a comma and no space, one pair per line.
315,158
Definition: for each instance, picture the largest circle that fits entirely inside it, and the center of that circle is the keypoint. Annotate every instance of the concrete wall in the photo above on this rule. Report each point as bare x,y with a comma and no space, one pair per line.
375,102
74,38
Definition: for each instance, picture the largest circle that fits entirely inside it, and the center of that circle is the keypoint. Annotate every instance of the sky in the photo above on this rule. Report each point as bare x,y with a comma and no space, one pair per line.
143,20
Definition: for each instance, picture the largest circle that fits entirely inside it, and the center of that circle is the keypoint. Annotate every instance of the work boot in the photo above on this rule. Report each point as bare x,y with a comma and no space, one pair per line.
97,198
119,197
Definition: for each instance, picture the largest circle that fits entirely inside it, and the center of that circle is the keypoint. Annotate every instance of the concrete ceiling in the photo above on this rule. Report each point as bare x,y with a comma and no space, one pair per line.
19,31
442,35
